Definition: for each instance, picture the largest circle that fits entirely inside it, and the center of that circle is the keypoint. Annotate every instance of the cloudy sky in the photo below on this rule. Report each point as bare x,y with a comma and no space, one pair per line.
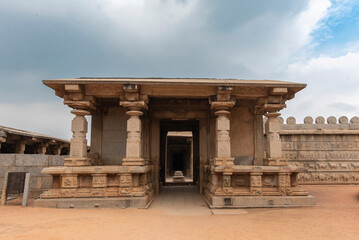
308,41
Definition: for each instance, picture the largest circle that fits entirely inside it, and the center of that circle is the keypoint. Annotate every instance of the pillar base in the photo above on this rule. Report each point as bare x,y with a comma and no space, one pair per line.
71,161
275,162
134,162
223,161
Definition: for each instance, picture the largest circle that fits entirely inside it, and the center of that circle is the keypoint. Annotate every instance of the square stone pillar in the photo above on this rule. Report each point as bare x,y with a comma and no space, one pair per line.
134,133
273,143
78,145
223,141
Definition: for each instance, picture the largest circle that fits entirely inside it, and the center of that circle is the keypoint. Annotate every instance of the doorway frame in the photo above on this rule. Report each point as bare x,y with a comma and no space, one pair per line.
191,125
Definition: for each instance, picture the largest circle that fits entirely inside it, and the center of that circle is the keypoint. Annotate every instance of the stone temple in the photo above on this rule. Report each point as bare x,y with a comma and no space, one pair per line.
150,132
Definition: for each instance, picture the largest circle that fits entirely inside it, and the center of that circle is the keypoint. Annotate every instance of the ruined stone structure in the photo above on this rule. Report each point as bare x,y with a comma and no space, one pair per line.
131,119
24,142
329,151
29,152
30,163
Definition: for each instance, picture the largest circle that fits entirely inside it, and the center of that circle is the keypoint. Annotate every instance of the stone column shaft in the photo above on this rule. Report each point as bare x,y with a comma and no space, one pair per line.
78,145
223,141
134,133
134,128
273,141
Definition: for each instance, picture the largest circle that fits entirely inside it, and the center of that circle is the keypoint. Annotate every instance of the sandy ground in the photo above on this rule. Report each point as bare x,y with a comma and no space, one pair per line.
336,216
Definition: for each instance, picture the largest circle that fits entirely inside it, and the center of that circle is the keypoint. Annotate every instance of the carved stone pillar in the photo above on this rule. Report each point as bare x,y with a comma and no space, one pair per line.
273,143
134,133
78,145
223,141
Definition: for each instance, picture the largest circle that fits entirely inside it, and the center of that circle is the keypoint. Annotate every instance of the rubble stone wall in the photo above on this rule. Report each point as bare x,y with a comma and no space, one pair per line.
329,149
32,163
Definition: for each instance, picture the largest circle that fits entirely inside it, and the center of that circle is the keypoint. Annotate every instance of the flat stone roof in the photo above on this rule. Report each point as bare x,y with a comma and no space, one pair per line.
175,81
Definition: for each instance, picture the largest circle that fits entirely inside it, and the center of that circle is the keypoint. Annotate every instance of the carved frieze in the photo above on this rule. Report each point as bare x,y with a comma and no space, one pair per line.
287,146
125,191
99,180
328,177
98,192
321,155
125,180
67,193
69,181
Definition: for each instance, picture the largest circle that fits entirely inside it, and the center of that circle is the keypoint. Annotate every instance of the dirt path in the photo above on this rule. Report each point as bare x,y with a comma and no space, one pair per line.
336,216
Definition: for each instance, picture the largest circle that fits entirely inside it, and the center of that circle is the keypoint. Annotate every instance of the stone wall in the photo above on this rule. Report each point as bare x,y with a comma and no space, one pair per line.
32,163
329,149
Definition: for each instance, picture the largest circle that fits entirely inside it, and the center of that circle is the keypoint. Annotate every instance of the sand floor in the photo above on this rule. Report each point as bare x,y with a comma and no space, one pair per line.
336,216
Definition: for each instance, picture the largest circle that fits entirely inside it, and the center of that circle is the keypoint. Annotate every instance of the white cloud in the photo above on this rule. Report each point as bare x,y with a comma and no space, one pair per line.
50,119
333,86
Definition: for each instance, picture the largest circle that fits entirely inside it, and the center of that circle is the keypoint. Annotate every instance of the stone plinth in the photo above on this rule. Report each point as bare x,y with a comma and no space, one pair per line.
268,186
129,185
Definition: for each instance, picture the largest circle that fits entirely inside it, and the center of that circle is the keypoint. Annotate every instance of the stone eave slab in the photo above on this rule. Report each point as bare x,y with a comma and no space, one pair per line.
295,87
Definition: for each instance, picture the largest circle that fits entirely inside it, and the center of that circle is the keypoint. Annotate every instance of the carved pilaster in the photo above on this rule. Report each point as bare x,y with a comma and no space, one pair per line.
78,145
256,183
284,183
227,186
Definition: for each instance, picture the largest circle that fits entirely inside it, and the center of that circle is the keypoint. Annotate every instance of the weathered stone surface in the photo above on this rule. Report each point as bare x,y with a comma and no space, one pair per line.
308,120
7,160
329,154
30,160
57,160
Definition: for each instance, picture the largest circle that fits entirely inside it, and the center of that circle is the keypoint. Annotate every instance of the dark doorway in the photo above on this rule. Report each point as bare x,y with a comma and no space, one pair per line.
178,162
179,152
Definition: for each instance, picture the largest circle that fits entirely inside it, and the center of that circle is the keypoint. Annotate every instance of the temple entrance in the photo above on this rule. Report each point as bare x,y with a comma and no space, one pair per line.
179,152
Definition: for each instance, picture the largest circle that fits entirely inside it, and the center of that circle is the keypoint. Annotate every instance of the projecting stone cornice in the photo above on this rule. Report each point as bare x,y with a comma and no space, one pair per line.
139,89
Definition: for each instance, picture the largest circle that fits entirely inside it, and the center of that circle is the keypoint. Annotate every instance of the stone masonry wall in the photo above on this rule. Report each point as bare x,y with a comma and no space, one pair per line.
329,150
32,163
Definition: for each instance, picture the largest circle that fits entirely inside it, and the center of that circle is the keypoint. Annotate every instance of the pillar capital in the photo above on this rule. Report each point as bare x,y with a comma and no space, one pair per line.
134,105
80,112
218,105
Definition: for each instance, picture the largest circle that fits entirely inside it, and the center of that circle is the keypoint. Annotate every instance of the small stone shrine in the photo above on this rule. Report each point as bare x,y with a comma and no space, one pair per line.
232,162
